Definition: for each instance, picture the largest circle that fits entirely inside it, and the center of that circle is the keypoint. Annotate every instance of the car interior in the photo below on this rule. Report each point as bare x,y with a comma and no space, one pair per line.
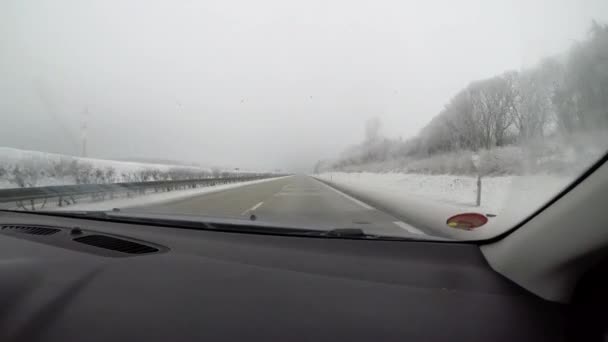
70,278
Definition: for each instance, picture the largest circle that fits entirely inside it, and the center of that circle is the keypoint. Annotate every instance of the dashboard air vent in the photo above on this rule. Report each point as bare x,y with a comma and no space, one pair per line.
33,230
115,244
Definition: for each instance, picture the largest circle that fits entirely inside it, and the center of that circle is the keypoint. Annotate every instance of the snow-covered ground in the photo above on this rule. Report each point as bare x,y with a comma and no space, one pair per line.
564,155
426,189
22,168
427,201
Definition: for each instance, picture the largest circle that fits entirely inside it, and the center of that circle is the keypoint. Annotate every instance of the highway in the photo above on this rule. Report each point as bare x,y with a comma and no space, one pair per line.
297,200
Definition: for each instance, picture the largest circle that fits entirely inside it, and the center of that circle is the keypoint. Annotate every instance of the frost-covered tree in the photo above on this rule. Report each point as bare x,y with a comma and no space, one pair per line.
493,102
582,99
534,108
569,92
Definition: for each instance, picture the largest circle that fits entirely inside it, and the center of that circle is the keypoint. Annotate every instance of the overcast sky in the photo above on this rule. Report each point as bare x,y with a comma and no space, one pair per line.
255,83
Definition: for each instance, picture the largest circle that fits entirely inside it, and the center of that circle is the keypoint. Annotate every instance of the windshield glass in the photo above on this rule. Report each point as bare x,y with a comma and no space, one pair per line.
432,120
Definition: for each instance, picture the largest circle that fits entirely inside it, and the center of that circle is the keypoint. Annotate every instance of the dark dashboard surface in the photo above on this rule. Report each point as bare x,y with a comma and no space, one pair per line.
216,286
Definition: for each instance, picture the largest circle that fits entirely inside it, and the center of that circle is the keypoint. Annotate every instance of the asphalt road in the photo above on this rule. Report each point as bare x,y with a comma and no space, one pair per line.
297,200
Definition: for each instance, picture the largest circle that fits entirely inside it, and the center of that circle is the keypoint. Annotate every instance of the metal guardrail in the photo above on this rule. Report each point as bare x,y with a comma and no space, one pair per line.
36,198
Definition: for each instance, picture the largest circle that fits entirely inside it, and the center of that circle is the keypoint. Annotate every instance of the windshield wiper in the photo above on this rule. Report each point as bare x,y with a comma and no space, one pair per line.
350,233
216,225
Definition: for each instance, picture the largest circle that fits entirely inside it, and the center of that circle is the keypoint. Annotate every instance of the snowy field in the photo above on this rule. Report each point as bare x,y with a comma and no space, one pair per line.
427,201
22,168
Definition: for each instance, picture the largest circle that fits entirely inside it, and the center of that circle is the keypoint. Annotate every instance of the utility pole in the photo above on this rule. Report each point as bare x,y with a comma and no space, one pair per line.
83,131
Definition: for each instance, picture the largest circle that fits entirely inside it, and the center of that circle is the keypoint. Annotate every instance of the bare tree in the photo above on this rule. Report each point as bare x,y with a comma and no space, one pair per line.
572,95
535,90
464,129
83,172
493,103
18,177
581,99
110,173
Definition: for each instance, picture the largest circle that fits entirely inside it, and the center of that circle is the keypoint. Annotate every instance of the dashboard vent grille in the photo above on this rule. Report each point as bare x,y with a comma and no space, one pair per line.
115,244
33,230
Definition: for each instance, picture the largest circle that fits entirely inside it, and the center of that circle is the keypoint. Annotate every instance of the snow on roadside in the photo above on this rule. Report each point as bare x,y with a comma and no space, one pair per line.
23,168
157,198
429,200
459,190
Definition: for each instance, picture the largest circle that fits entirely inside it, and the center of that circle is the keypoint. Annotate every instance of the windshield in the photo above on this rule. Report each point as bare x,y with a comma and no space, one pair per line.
433,120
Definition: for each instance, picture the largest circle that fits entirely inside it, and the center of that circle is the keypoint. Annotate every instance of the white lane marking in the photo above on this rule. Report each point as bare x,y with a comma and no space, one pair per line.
409,228
256,206
252,208
364,205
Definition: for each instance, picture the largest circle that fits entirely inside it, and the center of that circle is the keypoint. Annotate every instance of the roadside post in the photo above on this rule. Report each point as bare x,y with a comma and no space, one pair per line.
475,160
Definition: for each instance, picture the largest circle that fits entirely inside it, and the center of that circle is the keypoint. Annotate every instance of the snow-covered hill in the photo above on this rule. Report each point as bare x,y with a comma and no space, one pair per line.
22,168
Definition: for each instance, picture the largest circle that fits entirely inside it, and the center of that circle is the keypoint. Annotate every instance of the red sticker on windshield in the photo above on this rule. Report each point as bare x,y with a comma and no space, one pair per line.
467,221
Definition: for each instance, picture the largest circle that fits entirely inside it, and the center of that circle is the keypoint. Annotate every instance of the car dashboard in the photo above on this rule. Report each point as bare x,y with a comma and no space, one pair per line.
68,279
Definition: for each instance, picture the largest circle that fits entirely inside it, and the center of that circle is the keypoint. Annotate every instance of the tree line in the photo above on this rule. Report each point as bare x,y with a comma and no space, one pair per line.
561,95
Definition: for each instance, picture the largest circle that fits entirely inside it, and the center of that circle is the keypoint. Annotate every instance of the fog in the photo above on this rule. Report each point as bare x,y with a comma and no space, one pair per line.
254,84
